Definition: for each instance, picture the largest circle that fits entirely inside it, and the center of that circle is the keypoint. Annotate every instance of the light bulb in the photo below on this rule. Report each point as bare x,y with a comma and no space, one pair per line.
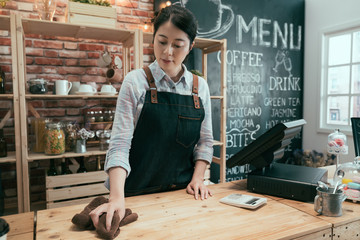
168,3
146,26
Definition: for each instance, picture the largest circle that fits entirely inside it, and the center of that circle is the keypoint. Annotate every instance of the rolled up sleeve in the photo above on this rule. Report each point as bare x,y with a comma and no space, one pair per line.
123,127
204,148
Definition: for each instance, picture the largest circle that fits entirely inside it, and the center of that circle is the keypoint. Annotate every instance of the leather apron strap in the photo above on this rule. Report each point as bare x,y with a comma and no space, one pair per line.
151,82
195,91
153,89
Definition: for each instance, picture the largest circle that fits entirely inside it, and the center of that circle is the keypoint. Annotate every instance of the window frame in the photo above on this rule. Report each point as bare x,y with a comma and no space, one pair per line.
325,35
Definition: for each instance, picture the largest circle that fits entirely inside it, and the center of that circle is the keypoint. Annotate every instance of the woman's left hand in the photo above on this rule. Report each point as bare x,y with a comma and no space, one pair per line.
197,186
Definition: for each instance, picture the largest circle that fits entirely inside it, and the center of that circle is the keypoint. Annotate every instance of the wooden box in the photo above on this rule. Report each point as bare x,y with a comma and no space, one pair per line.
72,189
92,15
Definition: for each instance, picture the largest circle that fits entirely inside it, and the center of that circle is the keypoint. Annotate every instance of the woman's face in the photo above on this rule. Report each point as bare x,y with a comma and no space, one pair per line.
171,46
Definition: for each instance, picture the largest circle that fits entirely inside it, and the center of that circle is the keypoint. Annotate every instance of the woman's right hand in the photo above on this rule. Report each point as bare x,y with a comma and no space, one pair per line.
114,206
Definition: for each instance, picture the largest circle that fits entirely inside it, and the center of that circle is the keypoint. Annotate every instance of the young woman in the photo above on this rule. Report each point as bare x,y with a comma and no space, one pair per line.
162,133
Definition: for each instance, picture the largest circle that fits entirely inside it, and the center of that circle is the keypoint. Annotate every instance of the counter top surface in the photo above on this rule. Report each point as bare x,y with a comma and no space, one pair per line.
176,215
21,225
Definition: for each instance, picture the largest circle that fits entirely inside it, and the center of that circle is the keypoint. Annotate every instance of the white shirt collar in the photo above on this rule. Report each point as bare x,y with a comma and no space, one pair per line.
159,74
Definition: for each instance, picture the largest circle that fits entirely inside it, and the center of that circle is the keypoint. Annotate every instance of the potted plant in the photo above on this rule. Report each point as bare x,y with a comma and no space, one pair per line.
91,12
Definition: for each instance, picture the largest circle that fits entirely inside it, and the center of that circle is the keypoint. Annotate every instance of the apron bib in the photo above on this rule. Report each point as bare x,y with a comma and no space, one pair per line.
161,153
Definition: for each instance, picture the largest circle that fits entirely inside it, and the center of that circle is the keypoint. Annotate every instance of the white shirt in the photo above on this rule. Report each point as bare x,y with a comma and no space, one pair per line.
129,105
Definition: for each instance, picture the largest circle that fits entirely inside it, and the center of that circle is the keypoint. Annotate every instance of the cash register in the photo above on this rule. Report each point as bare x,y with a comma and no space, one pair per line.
274,178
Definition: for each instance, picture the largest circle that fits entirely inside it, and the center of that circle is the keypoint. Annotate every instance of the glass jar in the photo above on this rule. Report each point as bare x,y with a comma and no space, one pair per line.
45,9
349,174
337,143
99,116
91,116
70,135
106,116
38,129
104,137
38,86
110,116
54,139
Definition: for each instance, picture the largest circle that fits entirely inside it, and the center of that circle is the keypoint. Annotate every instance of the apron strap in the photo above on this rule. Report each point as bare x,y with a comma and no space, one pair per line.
195,91
153,90
151,82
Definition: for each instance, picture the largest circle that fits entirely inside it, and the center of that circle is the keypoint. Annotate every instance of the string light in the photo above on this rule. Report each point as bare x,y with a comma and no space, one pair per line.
168,3
146,26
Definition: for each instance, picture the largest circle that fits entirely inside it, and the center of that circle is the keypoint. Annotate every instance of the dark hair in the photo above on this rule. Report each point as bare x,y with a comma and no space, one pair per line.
181,17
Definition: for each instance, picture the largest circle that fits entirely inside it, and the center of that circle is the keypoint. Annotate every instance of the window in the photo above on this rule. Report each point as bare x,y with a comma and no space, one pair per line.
340,79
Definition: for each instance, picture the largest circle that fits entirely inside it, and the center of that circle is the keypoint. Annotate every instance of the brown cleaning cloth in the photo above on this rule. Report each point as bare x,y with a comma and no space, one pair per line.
83,219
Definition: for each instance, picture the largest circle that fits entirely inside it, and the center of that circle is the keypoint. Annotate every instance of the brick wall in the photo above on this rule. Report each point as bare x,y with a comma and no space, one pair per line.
54,58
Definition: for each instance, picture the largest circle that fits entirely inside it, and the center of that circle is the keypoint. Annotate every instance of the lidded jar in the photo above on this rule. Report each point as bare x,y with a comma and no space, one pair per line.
349,174
70,135
337,143
91,116
99,117
38,86
54,139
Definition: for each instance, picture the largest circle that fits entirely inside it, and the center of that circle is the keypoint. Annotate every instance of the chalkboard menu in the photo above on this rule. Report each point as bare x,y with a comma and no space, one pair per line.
265,41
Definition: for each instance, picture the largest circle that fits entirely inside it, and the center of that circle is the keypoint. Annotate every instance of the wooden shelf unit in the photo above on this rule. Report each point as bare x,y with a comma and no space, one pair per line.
208,46
6,96
11,157
90,152
54,96
127,38
7,23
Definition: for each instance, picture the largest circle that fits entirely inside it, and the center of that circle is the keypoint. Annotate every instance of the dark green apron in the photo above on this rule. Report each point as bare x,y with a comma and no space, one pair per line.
168,128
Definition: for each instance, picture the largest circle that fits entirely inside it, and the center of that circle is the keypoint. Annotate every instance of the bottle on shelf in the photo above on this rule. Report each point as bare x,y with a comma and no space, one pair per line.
98,163
65,167
52,170
82,168
3,145
2,81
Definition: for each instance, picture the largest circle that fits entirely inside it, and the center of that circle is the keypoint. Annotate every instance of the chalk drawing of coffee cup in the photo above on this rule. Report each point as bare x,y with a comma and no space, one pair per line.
217,26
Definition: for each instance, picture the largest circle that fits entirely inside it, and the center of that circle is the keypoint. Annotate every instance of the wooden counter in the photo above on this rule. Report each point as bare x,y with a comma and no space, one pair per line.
345,227
21,226
176,215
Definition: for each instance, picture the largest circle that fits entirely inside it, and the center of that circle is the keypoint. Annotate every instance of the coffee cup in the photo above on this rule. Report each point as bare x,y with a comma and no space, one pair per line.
108,89
86,88
62,87
75,88
105,59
